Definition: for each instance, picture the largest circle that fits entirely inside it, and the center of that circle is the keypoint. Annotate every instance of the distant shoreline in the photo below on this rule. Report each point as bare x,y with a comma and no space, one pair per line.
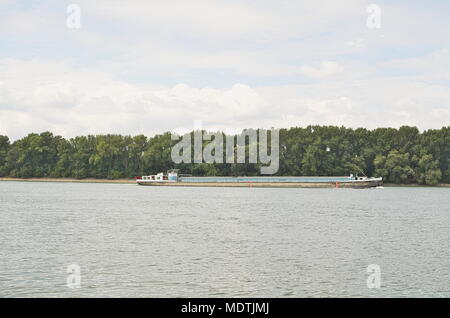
132,181
70,180
413,185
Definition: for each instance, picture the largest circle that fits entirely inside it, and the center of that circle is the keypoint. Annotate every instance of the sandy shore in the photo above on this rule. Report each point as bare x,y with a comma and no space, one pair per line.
412,185
70,180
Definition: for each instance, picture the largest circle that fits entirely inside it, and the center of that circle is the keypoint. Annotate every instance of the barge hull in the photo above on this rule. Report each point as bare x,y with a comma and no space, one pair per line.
353,185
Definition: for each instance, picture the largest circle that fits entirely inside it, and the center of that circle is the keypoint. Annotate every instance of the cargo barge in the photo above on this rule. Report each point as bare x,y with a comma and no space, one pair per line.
172,178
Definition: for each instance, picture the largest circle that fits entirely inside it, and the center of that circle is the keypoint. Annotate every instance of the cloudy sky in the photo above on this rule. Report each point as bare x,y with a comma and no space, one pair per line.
152,66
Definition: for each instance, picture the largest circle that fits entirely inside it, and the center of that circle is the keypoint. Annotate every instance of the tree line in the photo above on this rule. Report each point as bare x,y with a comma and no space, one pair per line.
403,155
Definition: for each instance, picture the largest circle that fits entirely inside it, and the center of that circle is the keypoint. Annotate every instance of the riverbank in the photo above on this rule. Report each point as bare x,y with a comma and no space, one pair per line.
415,185
132,181
71,180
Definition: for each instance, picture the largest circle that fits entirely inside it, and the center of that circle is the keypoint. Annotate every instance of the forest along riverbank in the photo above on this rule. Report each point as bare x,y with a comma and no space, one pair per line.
132,181
403,155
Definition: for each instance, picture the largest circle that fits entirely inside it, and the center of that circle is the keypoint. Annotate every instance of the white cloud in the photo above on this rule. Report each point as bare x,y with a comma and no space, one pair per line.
23,23
432,66
40,95
226,20
154,66
327,68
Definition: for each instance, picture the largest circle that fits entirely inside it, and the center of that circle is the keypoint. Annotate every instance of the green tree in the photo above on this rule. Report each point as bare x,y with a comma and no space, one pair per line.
310,161
157,156
83,148
428,171
4,149
33,156
394,168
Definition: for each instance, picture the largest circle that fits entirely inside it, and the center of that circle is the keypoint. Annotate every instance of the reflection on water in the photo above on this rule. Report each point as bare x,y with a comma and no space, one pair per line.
222,242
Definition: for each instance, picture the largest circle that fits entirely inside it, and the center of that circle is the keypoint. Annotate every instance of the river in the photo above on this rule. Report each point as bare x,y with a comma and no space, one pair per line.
132,241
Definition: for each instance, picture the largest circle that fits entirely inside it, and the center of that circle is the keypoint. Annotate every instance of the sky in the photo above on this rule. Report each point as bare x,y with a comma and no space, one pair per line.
147,67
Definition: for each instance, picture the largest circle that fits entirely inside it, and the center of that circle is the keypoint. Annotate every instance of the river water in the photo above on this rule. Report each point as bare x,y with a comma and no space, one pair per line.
132,241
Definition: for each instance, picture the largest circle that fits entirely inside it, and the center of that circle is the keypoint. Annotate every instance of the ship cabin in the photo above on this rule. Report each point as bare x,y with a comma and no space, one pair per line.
172,175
